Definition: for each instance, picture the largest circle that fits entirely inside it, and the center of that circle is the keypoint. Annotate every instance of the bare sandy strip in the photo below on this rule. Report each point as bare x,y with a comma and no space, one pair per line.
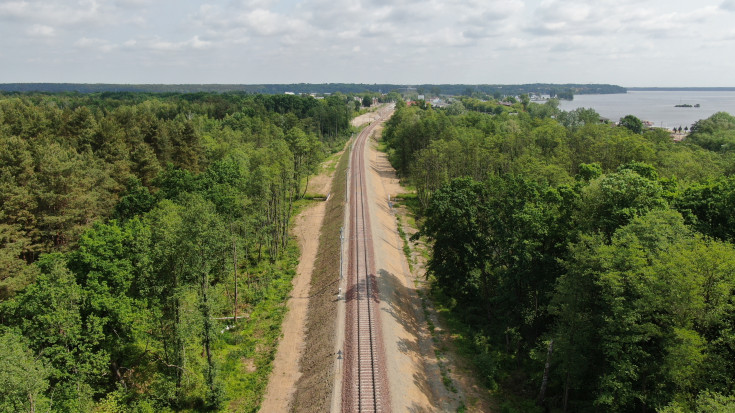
413,374
415,377
286,365
363,119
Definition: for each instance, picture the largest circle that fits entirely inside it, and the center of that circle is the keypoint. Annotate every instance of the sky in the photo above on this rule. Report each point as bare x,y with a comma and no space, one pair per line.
625,42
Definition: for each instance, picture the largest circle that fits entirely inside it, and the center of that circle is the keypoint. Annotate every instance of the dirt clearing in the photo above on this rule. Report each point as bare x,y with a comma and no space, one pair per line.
363,119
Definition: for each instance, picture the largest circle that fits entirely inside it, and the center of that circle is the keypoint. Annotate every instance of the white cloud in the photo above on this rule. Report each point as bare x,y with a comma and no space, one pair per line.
620,22
167,46
14,9
237,25
132,4
95,44
40,30
416,40
728,5
58,12
266,23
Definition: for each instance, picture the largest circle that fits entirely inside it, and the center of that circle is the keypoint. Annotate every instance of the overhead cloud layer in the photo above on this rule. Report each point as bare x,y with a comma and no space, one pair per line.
633,43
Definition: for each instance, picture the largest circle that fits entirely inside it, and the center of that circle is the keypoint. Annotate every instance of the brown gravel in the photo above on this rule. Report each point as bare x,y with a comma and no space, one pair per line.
286,365
314,386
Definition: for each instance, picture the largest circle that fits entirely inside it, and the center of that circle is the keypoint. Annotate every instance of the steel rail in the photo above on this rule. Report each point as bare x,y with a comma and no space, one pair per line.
365,388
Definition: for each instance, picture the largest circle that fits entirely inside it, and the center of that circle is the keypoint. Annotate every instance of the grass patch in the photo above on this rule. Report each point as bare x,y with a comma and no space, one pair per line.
330,164
438,350
382,145
301,204
411,202
406,246
246,352
314,196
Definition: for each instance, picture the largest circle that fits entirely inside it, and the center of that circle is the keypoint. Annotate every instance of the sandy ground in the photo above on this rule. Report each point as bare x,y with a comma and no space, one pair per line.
474,397
413,372
363,119
286,365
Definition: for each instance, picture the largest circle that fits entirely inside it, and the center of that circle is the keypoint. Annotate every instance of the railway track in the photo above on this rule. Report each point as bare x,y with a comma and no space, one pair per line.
365,384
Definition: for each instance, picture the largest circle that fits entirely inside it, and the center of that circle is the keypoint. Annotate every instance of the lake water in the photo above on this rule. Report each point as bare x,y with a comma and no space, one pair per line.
656,107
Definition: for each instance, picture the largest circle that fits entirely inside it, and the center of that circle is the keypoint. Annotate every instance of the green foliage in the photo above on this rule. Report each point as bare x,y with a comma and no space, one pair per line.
631,123
632,313
136,200
579,117
715,403
493,249
588,172
613,242
412,129
214,92
708,206
49,313
716,133
23,378
718,122
612,200
131,313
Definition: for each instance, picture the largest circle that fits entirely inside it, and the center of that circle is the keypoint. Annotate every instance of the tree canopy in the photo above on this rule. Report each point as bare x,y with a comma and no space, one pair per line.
127,224
602,252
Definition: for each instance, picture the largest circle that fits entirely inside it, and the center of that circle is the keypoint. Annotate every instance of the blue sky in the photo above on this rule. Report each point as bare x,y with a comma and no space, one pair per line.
630,43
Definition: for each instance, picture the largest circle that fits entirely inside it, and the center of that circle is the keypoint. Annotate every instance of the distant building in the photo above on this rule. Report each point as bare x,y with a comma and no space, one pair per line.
290,93
438,103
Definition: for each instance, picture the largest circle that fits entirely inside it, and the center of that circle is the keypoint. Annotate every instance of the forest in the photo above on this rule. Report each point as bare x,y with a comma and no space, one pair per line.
144,244
589,266
306,88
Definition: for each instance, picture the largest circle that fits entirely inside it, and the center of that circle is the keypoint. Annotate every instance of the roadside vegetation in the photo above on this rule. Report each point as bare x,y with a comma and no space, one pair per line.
581,266
145,254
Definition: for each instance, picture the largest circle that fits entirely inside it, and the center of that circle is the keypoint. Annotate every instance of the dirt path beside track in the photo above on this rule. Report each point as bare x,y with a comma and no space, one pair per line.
413,373
305,363
286,365
419,382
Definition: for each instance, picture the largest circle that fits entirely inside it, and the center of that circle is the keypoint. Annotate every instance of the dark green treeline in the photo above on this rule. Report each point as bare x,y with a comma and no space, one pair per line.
127,223
594,266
